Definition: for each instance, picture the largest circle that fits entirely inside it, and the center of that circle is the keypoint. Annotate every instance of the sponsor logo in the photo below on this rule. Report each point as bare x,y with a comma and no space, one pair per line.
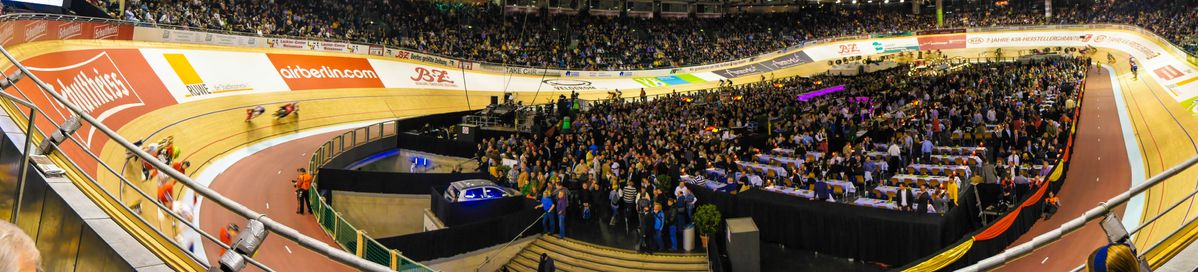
303,72
35,30
69,30
103,32
6,32
375,50
740,71
1168,73
286,44
950,41
799,58
1100,38
331,46
403,54
846,49
569,84
432,77
96,85
1018,39
296,71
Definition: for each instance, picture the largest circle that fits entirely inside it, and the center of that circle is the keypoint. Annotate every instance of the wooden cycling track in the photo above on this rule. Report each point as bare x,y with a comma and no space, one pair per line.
206,130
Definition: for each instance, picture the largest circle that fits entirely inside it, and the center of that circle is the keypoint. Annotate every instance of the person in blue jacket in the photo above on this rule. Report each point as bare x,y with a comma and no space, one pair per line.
659,222
547,205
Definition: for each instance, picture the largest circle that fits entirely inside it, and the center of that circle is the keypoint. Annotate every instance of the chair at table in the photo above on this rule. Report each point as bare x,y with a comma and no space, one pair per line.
859,178
877,194
890,195
839,191
771,173
933,183
960,172
792,165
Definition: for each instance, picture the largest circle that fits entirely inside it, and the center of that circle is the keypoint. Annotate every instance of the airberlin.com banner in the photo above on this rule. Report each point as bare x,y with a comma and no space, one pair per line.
305,72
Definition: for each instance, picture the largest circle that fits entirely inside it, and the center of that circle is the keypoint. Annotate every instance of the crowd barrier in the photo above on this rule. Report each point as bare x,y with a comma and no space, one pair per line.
847,231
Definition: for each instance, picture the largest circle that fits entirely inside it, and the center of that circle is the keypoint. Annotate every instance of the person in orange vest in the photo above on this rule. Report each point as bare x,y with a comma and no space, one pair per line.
1051,204
301,184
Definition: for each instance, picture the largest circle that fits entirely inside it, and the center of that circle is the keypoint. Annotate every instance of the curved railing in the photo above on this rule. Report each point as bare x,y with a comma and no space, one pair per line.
156,235
345,234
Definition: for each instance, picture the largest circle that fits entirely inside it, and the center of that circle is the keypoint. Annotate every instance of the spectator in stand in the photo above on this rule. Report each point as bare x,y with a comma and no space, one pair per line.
547,219
923,200
563,202
659,223
646,232
905,198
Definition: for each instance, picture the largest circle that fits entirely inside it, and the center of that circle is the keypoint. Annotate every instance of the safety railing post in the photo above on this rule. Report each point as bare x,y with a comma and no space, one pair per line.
394,259
361,247
24,171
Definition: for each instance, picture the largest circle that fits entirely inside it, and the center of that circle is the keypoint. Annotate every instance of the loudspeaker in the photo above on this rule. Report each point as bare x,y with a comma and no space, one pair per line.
467,132
744,244
494,100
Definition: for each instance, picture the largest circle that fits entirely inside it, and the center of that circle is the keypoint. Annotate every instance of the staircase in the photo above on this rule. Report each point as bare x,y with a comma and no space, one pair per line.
571,256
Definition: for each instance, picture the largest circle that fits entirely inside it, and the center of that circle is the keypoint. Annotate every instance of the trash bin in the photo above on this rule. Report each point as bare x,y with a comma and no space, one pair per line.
688,238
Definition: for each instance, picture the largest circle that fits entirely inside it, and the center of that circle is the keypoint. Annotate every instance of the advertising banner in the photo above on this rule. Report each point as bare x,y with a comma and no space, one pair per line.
107,84
23,31
942,42
1027,39
191,75
305,72
790,60
755,68
282,43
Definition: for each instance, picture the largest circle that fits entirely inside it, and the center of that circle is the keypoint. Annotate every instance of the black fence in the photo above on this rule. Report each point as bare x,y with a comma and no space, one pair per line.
843,230
449,242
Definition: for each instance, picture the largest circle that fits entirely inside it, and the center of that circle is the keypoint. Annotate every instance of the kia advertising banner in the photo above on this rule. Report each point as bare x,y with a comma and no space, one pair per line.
109,85
305,72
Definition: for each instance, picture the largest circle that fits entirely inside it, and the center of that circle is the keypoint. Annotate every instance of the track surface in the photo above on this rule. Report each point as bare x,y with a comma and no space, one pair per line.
262,178
1098,171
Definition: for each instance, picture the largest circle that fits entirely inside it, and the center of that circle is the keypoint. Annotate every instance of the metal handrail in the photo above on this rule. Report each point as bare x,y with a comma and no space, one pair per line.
34,131
270,224
1077,223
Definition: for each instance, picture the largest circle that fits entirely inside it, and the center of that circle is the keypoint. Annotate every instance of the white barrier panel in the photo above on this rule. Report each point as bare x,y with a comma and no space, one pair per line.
197,37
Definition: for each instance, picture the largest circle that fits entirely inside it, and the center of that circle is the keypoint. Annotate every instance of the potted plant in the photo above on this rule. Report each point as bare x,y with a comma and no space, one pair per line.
707,220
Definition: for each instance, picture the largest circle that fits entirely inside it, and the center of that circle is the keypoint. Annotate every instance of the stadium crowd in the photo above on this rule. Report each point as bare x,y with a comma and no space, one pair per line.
485,33
628,157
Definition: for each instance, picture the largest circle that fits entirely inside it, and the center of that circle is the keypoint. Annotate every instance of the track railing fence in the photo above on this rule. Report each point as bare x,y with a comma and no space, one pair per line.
172,225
